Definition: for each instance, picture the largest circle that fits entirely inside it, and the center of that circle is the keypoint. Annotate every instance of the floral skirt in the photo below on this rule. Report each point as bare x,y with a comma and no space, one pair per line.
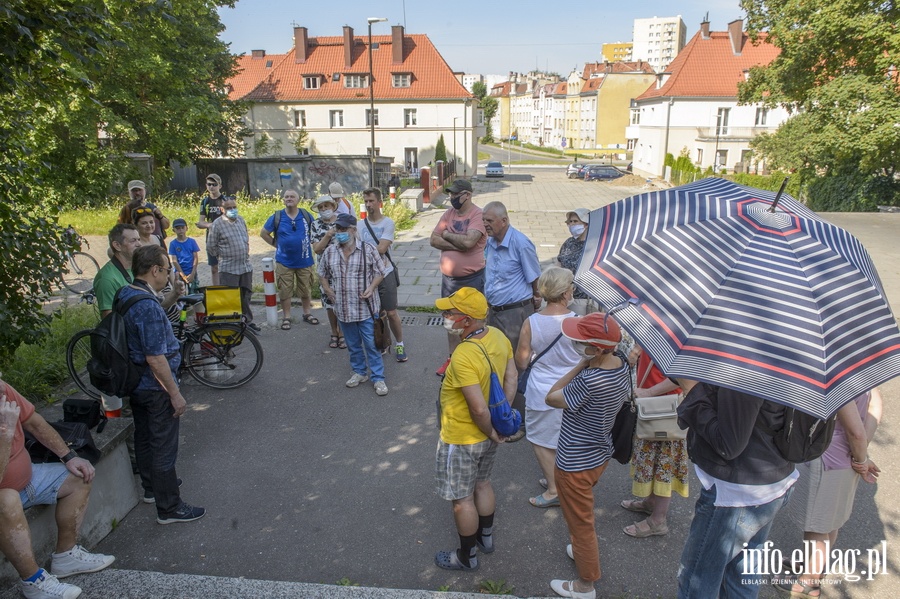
659,467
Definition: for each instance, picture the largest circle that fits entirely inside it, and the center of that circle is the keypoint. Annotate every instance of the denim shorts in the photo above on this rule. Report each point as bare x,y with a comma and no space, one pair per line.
42,489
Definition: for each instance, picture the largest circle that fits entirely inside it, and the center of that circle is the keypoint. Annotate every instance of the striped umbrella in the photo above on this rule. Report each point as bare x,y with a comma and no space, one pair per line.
719,288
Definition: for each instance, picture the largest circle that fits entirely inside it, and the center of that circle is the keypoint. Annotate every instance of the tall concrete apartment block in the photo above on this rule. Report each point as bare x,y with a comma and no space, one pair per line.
658,40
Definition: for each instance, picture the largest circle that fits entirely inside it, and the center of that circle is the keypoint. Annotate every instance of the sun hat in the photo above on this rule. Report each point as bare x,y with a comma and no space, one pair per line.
597,329
467,300
583,214
324,200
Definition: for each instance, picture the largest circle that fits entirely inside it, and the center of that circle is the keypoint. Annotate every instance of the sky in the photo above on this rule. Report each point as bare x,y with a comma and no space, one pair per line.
486,37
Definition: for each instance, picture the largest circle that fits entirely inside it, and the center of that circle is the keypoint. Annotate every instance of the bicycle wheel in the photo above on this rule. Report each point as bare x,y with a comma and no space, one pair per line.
78,352
79,272
222,356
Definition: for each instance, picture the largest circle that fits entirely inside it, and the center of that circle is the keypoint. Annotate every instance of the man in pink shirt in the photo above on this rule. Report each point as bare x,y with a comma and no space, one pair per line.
461,237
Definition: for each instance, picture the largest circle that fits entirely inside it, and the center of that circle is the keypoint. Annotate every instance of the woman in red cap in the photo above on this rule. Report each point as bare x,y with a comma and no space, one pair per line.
590,396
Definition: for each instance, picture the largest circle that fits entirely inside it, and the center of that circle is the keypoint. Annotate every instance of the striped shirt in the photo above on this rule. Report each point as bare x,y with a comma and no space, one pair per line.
593,399
346,277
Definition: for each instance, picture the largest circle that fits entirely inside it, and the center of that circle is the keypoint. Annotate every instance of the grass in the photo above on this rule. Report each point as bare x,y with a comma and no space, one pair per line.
423,309
483,156
346,582
495,587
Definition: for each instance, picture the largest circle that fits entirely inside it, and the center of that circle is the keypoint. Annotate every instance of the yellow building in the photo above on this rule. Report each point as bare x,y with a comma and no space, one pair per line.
623,82
617,51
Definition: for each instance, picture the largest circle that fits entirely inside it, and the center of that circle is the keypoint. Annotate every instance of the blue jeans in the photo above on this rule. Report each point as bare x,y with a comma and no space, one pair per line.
360,338
156,447
712,562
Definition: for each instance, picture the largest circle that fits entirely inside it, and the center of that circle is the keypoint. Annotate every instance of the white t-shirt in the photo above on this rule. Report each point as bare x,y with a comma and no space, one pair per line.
384,229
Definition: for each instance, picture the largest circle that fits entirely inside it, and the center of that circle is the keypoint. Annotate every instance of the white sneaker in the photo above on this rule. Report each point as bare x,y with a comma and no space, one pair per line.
78,561
48,586
380,388
356,379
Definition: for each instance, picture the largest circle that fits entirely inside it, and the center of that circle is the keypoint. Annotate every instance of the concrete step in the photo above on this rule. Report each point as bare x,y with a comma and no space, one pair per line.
134,584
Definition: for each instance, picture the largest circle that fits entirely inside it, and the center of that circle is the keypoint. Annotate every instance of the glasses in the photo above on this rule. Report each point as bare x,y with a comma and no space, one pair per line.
210,184
168,269
293,225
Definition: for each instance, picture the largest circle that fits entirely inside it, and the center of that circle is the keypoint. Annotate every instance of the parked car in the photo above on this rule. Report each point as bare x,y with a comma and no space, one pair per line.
598,172
493,169
573,169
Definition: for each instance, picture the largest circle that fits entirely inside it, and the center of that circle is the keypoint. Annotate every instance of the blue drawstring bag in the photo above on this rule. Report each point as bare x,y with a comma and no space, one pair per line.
505,420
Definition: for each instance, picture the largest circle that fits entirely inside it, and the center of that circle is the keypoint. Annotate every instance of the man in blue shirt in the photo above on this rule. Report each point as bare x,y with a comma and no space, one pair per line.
510,284
294,266
157,402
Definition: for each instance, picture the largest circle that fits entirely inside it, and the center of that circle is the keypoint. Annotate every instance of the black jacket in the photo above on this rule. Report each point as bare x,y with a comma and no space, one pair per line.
725,439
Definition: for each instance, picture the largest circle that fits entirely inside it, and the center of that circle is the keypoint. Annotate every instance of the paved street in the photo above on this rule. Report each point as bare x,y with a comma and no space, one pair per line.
305,480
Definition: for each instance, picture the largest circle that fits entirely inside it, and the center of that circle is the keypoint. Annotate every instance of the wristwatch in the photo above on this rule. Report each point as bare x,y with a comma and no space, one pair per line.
69,457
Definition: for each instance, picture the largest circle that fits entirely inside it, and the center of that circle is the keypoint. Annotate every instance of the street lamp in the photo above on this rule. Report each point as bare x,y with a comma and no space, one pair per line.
371,20
455,159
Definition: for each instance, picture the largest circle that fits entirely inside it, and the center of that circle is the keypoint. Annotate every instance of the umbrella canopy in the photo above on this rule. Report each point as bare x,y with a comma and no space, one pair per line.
720,289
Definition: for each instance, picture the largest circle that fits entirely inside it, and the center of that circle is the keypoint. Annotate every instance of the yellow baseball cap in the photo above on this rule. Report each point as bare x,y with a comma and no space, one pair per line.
467,300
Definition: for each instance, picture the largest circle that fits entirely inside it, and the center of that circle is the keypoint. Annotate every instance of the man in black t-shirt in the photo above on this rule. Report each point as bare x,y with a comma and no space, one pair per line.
210,210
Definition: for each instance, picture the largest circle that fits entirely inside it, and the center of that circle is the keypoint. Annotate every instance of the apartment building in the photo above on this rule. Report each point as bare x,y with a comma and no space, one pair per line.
658,40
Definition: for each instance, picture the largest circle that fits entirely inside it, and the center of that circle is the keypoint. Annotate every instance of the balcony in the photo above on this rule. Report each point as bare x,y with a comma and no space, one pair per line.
730,133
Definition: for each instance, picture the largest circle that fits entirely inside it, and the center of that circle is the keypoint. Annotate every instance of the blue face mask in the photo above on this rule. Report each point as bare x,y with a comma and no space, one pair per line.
231,213
342,237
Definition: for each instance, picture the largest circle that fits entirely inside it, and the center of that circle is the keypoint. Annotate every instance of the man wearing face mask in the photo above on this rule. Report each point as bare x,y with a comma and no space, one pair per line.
229,242
468,441
461,237
570,256
350,272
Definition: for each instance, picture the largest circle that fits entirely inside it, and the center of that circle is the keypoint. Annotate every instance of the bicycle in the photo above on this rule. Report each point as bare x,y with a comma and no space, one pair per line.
80,269
213,352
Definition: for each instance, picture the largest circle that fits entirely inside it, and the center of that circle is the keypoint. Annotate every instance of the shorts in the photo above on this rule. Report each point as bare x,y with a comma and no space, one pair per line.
211,260
287,279
42,489
387,292
450,285
459,467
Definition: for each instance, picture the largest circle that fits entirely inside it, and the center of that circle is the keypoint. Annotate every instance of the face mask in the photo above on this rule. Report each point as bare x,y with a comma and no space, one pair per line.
583,350
456,203
576,230
326,214
450,326
342,237
231,213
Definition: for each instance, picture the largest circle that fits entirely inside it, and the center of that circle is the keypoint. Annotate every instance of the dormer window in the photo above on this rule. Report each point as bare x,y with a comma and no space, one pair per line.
312,81
356,81
401,79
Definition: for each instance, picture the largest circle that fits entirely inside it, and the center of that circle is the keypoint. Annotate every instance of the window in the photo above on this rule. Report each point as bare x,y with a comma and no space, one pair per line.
336,118
631,144
299,118
635,117
369,115
761,114
311,82
722,121
721,159
409,117
746,158
354,81
369,151
699,156
401,79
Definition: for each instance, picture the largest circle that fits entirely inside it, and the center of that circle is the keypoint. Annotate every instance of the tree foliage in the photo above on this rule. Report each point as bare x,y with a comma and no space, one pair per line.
479,90
488,105
440,150
838,74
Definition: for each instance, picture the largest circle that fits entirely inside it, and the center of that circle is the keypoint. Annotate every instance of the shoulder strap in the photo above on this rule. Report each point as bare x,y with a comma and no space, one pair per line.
309,219
546,349
122,270
646,374
377,241
277,217
486,357
122,307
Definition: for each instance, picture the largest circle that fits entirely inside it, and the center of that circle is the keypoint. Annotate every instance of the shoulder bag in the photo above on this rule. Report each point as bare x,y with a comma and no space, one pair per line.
387,253
657,417
505,420
523,378
382,333
622,432
76,436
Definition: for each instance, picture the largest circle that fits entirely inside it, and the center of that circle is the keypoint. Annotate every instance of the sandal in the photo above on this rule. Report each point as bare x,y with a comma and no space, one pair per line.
806,591
541,501
310,319
449,560
636,505
646,528
286,324
333,344
341,343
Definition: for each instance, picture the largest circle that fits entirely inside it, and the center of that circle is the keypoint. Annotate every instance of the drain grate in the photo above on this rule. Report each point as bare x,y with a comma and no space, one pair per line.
435,321
409,321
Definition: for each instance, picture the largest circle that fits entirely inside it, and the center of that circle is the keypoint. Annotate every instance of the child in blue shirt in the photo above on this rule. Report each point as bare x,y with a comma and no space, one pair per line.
185,253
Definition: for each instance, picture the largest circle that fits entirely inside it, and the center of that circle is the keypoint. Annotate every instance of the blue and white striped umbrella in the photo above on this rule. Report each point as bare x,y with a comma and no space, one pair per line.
781,305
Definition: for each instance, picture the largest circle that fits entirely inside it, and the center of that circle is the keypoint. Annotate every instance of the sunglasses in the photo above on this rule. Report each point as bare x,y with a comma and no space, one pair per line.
211,184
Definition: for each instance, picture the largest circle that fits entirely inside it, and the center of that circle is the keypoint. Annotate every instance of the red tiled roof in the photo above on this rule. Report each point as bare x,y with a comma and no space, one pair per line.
592,85
431,77
561,88
250,71
709,67
501,89
619,66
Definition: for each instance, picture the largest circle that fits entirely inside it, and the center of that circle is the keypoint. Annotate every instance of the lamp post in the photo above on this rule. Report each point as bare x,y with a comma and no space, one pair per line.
455,155
371,20
465,141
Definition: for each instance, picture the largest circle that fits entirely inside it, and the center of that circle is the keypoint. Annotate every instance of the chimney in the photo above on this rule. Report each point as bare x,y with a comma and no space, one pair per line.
348,46
704,29
258,53
736,33
397,44
301,42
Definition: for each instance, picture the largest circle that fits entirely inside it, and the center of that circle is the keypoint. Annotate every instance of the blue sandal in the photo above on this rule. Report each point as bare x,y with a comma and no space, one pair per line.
540,501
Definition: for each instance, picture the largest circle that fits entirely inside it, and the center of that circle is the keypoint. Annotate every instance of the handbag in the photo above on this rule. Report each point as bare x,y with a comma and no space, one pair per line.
504,419
622,432
657,417
523,377
76,436
380,322
88,411
386,253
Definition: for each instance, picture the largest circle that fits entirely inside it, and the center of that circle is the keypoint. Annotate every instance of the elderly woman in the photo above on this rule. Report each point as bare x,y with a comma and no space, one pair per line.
590,396
823,498
541,335
570,256
657,467
322,235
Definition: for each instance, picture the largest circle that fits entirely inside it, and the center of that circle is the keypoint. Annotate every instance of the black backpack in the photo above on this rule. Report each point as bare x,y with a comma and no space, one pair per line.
110,367
803,437
306,216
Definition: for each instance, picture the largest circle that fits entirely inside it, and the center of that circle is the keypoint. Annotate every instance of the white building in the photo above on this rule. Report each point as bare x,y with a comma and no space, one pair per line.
658,40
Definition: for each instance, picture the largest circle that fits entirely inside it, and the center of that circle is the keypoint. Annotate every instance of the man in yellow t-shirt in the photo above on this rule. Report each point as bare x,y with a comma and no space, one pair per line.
468,443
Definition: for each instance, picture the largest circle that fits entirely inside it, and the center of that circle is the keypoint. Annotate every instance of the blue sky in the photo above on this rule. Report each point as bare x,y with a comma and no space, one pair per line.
487,37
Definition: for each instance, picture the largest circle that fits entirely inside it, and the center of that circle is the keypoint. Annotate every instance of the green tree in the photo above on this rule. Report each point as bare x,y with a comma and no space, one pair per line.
479,90
488,105
440,150
837,74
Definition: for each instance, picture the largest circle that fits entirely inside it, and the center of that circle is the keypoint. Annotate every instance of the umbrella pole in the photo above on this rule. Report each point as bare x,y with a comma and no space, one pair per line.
778,195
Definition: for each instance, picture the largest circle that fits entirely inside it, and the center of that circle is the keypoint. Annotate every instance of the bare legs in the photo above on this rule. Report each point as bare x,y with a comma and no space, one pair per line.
467,509
546,458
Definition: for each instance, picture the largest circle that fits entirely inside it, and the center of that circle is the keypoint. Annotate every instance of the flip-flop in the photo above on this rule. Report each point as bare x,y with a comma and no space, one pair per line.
648,530
310,319
342,344
286,324
540,501
636,505
333,344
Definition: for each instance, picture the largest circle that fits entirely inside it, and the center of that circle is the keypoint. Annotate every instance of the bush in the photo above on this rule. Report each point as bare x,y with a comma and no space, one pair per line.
770,182
852,193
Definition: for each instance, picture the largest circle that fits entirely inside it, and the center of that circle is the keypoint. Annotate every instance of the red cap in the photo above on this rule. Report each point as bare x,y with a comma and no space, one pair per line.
596,329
